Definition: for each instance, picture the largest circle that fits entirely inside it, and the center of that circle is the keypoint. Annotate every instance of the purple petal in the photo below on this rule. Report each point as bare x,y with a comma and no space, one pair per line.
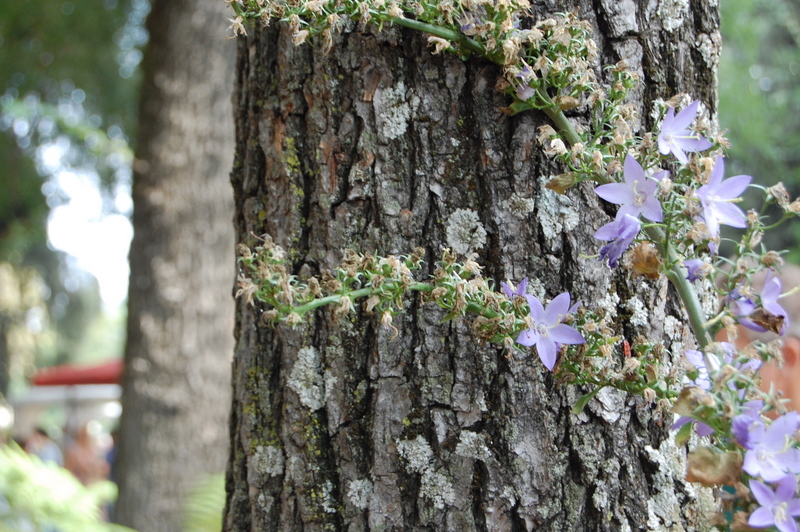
703,430
785,523
664,147
525,93
717,173
685,118
772,289
786,488
617,193
507,290
528,338
651,209
633,170
733,187
683,420
556,310
678,153
564,334
522,287
548,353
762,517
608,232
694,144
537,311
730,214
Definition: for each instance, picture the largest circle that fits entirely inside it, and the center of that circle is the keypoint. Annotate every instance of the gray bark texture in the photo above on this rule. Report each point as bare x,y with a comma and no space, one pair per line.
381,146
176,394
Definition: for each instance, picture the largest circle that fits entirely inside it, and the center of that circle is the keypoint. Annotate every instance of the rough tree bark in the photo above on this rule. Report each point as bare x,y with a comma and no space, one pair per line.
180,314
374,147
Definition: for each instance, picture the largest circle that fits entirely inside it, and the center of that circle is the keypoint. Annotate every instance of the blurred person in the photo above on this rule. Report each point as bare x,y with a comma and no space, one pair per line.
84,459
42,445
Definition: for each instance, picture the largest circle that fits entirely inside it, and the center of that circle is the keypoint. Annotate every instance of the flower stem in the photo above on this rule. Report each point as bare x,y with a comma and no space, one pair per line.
464,41
687,294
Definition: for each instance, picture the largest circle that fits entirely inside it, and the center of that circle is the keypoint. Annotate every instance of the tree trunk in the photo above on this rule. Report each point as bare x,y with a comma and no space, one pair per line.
380,146
180,310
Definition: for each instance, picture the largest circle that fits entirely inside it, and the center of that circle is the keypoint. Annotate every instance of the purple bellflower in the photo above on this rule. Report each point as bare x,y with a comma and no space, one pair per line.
677,138
717,199
621,233
548,331
637,194
696,269
771,455
742,307
511,292
778,508
704,379
769,300
747,422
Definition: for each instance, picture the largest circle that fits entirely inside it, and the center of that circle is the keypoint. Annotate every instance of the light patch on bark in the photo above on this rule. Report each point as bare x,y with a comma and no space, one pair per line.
709,47
417,453
473,445
708,296
433,485
663,508
437,488
556,213
519,205
268,460
306,379
392,111
609,405
673,329
326,500
609,303
359,491
640,317
465,233
672,13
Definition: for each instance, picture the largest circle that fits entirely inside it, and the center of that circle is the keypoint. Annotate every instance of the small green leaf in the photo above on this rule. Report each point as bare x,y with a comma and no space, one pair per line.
584,400
683,434
453,315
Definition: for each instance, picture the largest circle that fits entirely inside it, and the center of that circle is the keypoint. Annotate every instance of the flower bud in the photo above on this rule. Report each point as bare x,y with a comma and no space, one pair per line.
771,259
649,395
780,194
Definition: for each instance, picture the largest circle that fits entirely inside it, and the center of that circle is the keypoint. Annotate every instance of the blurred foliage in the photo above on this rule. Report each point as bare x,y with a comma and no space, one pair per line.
54,47
35,496
205,505
760,98
68,103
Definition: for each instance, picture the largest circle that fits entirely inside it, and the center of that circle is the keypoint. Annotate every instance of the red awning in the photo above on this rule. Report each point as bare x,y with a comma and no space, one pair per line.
71,374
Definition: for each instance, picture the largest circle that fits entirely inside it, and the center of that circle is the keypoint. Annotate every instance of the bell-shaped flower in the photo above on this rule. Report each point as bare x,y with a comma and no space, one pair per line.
746,422
637,194
620,233
677,138
777,508
717,197
772,455
548,332
769,300
511,292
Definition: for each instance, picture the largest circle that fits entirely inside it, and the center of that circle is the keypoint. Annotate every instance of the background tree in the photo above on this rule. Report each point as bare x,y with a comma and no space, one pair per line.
379,146
177,360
